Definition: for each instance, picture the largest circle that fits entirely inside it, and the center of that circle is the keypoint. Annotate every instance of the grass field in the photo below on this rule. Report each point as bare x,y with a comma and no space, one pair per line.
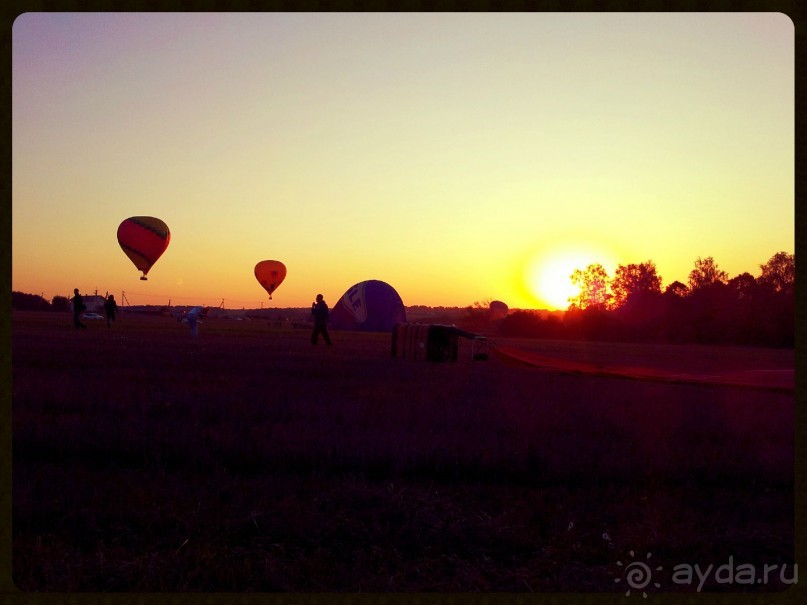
248,460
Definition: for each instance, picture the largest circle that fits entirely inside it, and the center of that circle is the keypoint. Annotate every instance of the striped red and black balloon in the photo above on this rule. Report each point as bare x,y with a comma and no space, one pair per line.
270,274
143,239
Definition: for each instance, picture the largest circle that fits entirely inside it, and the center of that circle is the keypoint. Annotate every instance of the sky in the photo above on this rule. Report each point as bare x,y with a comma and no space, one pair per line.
459,157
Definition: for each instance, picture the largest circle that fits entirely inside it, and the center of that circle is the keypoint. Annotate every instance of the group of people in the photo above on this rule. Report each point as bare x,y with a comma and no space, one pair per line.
110,310
319,312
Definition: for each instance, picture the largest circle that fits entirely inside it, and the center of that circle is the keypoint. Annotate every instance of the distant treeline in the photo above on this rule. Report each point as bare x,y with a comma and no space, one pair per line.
35,302
631,306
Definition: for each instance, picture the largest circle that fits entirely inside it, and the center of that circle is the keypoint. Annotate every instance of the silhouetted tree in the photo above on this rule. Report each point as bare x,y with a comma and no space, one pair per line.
594,288
779,273
592,323
777,299
28,302
60,303
634,279
529,324
643,316
706,274
676,289
674,324
476,316
744,286
708,301
742,310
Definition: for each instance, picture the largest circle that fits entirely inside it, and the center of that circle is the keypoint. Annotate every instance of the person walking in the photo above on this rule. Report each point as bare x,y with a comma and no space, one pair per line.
78,309
110,309
319,310
194,318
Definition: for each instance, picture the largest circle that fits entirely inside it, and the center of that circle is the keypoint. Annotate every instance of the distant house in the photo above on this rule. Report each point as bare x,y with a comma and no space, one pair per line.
94,303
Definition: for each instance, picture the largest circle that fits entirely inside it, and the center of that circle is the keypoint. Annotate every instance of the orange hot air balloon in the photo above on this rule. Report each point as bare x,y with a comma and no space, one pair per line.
143,239
270,274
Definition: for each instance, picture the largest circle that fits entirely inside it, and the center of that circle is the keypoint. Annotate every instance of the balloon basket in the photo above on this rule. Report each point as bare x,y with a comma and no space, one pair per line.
144,278
434,342
479,348
424,342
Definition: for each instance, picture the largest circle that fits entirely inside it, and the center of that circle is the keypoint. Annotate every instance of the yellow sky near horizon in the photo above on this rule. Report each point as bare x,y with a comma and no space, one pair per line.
454,156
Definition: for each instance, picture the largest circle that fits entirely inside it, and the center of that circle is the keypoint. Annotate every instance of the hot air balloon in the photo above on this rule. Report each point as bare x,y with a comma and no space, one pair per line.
498,310
143,239
369,306
270,274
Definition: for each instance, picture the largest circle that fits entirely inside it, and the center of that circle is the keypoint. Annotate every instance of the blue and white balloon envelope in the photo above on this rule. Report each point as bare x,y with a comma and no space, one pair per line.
369,306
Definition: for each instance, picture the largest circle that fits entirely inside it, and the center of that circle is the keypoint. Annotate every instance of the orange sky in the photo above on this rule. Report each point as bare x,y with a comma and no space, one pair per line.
459,157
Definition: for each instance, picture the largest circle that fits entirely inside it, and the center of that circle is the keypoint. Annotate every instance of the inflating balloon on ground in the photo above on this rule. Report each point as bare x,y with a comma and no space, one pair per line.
369,306
498,310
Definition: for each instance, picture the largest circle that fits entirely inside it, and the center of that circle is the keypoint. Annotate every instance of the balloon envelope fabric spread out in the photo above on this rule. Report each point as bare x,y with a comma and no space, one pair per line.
369,306
143,239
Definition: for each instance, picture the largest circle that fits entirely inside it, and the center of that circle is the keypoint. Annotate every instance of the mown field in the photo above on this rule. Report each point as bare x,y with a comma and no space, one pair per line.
247,460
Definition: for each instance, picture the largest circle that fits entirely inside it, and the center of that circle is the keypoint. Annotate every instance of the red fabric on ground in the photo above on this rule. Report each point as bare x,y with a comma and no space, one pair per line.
782,380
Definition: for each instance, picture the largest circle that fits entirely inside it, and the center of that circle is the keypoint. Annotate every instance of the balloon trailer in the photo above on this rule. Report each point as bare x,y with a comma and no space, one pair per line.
434,342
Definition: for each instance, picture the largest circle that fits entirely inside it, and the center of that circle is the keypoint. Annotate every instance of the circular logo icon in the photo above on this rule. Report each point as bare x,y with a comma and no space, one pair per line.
638,575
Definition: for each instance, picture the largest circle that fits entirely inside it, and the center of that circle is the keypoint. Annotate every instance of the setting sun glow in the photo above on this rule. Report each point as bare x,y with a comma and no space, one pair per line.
457,157
549,276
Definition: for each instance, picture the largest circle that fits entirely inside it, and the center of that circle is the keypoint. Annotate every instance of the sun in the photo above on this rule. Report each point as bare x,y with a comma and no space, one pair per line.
551,282
549,275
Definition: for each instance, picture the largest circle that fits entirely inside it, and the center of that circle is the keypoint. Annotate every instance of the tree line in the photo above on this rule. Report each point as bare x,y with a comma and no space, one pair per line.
710,308
35,302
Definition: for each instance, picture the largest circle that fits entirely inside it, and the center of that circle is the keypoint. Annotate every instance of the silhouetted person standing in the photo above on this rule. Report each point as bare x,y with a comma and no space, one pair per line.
110,309
78,309
321,314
